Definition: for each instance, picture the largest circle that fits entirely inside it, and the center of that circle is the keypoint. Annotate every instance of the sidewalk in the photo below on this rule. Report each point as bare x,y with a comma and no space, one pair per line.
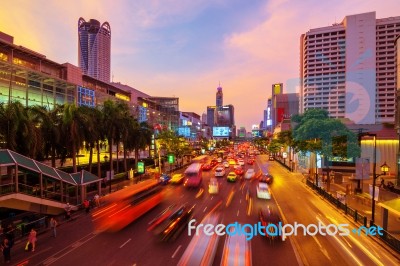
362,202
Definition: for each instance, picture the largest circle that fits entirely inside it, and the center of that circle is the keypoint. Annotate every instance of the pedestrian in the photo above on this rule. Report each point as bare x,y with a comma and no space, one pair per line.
6,249
86,205
53,225
97,200
382,183
67,209
32,239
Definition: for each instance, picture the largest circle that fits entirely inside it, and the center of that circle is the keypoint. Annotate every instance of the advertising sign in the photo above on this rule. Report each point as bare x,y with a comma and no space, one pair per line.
140,167
220,131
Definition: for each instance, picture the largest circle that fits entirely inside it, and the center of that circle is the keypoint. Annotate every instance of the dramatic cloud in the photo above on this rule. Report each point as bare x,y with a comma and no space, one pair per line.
184,48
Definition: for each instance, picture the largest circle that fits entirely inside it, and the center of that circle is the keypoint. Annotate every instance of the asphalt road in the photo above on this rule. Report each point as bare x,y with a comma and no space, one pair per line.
78,243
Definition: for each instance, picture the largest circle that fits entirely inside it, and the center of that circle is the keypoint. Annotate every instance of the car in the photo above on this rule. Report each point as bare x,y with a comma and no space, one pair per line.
206,167
268,216
239,171
176,179
250,173
231,177
237,166
263,191
250,161
213,186
175,223
240,162
219,171
213,163
226,164
268,178
164,179
271,158
232,162
219,160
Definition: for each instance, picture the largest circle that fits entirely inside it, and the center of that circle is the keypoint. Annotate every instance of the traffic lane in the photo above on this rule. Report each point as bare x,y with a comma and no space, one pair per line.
314,209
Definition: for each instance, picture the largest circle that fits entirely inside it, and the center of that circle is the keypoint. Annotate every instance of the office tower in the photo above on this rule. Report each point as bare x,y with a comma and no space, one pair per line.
94,45
349,68
219,97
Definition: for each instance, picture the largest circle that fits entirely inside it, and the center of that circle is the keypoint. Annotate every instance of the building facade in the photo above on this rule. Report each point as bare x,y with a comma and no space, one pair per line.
30,78
349,69
94,49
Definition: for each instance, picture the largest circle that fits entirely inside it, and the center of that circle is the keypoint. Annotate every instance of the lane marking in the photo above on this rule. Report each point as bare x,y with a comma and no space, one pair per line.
125,243
176,251
237,213
205,209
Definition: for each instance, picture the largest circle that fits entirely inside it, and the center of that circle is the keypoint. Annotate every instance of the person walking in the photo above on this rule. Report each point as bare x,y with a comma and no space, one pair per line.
97,200
53,225
6,249
68,209
86,205
32,239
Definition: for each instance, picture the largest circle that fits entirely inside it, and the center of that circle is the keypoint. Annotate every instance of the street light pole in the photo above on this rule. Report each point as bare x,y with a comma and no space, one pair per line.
373,183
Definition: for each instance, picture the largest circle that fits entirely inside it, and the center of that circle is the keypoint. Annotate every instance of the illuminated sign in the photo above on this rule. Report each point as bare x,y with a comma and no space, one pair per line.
86,97
140,167
277,88
122,97
220,131
184,131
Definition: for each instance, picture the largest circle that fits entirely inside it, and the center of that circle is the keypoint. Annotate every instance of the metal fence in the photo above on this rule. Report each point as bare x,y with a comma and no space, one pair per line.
389,239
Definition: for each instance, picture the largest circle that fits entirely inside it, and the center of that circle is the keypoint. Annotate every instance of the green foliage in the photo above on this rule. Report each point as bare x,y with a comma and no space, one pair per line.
318,133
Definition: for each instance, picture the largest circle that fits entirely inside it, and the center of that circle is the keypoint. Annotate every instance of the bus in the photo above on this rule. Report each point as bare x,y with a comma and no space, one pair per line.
193,175
201,159
121,208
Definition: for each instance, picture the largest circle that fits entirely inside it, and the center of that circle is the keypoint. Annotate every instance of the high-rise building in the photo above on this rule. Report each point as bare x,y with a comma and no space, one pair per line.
219,97
349,68
94,49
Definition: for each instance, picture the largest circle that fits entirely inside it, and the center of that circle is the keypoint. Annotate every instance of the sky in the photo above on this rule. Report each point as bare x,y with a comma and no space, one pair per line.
187,48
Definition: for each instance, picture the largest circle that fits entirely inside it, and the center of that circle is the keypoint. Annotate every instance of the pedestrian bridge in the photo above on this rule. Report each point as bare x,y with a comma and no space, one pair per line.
29,185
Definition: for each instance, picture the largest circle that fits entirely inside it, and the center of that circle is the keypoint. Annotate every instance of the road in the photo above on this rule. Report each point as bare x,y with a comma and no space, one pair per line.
78,243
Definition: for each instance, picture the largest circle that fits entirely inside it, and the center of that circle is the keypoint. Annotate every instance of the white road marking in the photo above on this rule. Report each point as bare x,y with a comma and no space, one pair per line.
205,209
125,243
237,213
176,251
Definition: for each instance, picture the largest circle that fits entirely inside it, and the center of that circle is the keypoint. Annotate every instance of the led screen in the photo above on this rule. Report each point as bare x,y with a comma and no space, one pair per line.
220,131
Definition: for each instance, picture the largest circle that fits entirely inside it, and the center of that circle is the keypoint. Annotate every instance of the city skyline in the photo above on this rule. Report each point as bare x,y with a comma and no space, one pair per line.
187,49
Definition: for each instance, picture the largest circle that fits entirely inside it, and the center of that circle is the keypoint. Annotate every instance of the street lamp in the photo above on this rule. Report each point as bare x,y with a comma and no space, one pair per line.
384,168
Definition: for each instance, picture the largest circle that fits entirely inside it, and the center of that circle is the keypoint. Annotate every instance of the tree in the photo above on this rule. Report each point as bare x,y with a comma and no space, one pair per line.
73,121
317,132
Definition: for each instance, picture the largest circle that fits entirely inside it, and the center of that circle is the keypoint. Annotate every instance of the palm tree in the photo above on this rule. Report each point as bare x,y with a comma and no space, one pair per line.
111,122
73,122
49,122
9,120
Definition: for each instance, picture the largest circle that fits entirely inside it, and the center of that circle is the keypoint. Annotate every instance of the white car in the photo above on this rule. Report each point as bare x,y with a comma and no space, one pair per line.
226,164
219,171
213,186
241,162
219,159
250,173
263,191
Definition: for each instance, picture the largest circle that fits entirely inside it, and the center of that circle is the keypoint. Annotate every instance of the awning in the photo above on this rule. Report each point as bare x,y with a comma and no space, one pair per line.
84,178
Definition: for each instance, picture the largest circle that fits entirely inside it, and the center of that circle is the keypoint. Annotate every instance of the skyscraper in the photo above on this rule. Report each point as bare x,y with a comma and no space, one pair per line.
349,68
219,97
94,49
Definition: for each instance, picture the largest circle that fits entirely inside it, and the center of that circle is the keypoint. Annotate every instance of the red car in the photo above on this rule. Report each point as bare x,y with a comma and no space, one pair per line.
239,171
250,161
213,163
206,167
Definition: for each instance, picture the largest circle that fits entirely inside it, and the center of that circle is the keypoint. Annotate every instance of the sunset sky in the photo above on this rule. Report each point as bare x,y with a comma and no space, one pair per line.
185,48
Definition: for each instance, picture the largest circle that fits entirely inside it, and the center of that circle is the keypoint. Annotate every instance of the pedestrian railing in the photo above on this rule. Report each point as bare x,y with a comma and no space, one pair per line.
389,239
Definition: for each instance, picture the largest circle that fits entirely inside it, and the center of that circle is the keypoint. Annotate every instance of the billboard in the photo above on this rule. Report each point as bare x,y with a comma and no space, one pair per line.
220,131
223,117
184,132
